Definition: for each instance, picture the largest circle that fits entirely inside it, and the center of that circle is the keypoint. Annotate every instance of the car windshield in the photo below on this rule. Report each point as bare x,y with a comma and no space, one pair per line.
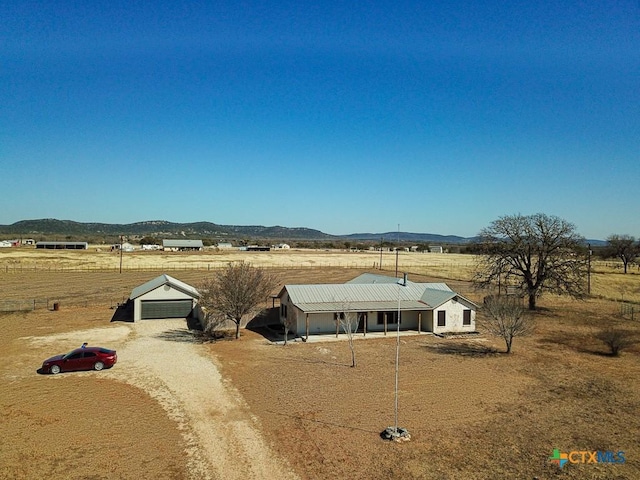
68,354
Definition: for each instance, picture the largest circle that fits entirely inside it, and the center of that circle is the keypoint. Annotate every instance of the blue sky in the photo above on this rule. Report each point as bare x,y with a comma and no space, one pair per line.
345,117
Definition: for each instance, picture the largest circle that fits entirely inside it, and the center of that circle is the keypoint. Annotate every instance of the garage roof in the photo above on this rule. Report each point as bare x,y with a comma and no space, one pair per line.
164,279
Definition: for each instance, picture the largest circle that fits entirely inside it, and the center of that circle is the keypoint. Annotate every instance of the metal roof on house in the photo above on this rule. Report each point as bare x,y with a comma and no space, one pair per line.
163,279
368,296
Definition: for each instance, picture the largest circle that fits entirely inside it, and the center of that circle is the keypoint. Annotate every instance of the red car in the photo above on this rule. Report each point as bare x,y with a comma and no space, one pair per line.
87,358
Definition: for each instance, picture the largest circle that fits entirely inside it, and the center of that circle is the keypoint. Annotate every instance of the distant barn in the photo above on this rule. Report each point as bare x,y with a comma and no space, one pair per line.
181,245
63,245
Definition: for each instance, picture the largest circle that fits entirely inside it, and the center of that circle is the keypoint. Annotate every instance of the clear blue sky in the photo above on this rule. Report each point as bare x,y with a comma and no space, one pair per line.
340,116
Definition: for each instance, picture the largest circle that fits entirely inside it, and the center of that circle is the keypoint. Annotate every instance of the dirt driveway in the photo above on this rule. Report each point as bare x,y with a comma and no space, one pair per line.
222,436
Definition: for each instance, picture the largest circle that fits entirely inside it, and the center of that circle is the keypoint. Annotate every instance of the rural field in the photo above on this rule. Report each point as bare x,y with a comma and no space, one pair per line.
176,407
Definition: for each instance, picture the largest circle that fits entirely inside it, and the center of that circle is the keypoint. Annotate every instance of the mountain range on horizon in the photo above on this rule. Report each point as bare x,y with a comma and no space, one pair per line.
163,228
209,230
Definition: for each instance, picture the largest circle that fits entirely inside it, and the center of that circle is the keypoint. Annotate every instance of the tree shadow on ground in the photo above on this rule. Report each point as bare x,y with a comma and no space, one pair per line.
463,349
321,422
184,336
192,334
273,333
578,343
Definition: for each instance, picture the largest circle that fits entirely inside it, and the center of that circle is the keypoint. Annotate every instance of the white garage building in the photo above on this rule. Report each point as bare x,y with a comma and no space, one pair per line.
164,297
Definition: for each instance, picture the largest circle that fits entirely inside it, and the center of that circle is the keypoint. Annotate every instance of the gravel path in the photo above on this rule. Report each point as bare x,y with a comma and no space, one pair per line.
222,436
158,356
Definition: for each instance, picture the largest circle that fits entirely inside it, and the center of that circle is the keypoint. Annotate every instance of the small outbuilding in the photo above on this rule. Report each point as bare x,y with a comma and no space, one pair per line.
164,297
63,245
182,245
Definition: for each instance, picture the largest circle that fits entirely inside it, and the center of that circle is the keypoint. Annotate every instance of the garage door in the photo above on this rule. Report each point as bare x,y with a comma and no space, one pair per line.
165,309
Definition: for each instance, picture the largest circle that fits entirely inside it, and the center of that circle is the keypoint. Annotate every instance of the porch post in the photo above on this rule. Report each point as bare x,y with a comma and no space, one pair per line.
385,323
336,317
307,326
419,322
364,324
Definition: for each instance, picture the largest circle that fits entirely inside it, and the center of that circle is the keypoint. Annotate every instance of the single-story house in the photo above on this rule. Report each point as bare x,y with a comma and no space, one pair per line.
164,297
181,245
377,303
436,249
125,247
224,245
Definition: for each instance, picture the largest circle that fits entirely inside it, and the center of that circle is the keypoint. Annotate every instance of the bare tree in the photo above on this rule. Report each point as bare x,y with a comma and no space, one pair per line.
623,247
237,291
507,318
534,253
348,321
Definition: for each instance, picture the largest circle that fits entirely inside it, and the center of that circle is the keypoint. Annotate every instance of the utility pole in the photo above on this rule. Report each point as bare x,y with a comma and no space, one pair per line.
380,254
397,250
589,269
396,433
120,253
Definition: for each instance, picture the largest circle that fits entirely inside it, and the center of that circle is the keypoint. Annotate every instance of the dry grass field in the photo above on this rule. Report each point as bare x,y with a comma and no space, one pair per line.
607,280
473,412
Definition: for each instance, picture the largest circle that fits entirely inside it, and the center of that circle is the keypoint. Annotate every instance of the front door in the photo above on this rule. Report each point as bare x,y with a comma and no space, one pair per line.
362,321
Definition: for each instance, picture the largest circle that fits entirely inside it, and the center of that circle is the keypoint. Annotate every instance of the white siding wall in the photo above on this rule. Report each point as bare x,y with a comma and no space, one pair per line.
165,292
454,315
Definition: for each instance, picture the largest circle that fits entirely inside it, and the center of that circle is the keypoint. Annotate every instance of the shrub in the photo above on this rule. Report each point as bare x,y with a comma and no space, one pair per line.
617,339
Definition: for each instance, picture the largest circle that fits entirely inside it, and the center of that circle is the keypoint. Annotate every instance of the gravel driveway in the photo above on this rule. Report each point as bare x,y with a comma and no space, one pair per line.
159,356
222,435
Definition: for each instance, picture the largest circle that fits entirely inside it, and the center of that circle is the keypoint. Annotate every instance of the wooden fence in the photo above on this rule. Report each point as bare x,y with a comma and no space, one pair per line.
628,310
192,266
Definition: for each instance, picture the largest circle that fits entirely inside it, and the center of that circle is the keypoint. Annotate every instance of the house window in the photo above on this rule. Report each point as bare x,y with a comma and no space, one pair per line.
466,317
442,318
392,318
283,310
338,316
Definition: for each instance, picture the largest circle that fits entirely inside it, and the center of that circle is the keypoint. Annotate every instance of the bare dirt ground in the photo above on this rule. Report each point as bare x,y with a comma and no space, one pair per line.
175,408
473,413
219,436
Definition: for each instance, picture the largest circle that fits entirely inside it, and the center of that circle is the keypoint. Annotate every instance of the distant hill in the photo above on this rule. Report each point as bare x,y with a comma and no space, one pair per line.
164,229
409,237
51,227
157,228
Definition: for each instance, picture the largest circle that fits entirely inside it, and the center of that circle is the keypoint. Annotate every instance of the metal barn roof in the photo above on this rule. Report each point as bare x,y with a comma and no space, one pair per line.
163,279
182,243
